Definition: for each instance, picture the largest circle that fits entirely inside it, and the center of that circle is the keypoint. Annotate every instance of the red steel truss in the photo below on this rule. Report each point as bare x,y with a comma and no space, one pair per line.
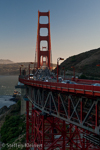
29,125
79,106
39,51
45,132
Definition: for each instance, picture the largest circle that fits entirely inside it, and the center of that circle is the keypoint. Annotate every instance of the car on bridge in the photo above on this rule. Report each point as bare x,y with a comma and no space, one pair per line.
65,81
68,81
96,84
60,79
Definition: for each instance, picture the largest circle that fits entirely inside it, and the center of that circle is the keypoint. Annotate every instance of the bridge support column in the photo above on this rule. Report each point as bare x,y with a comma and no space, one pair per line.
29,125
49,132
64,135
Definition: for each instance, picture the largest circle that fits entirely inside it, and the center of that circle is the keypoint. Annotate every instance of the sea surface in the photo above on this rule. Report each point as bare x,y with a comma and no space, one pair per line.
7,87
6,101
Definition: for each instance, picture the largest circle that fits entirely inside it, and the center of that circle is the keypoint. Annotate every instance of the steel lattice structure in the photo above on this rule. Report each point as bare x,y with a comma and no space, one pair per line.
53,133
77,114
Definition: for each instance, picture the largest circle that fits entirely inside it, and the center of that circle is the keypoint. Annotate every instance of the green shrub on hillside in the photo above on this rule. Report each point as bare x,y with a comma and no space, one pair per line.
12,128
16,108
73,58
83,77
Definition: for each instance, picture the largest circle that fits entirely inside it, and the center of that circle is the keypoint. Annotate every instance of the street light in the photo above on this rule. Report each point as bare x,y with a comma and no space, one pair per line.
58,64
73,71
64,72
20,68
24,71
29,68
98,65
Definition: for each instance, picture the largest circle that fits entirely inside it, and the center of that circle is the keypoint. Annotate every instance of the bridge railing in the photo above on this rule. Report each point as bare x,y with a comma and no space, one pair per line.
78,90
82,88
87,81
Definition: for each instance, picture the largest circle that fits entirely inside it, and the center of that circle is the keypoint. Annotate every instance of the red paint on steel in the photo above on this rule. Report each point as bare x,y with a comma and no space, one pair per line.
32,117
27,123
51,133
69,108
96,115
47,53
81,111
58,104
64,135
72,88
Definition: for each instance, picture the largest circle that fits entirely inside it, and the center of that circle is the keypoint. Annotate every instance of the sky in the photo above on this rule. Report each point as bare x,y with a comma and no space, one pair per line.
74,26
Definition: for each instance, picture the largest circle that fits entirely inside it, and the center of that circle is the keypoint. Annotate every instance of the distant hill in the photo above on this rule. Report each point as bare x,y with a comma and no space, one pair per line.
6,61
14,68
84,62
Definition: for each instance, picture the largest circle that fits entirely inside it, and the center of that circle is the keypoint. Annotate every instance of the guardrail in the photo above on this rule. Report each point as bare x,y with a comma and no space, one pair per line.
73,88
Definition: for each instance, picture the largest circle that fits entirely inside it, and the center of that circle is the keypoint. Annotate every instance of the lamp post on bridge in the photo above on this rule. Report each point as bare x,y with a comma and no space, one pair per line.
57,65
64,71
29,68
24,71
73,71
20,68
98,65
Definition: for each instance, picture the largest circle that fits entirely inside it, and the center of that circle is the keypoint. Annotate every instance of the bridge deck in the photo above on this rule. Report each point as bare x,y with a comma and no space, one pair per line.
72,88
78,103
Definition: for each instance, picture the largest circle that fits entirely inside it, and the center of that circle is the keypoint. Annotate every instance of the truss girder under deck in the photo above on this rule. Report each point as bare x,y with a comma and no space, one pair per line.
80,111
45,132
62,116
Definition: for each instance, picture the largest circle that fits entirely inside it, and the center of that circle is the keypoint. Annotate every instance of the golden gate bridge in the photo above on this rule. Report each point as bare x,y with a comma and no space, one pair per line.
62,116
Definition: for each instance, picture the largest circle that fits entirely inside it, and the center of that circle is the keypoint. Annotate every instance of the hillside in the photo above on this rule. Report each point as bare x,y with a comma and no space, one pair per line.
12,69
84,62
12,126
5,61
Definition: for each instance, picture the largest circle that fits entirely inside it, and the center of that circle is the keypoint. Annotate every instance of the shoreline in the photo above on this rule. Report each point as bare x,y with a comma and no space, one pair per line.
7,100
5,110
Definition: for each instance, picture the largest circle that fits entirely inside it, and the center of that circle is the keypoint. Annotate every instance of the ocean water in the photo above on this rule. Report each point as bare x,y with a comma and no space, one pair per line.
7,84
6,101
7,87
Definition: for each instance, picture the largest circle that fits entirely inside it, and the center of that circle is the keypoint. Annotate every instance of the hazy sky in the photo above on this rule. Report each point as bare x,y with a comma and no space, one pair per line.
75,27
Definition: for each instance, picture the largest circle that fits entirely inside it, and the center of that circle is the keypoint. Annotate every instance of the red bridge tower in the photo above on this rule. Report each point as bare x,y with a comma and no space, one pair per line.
39,52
